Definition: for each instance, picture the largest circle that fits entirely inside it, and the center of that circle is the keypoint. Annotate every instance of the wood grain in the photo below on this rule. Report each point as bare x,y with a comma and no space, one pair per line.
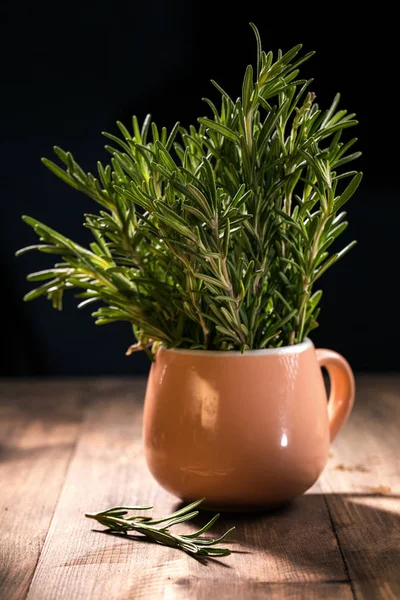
108,469
362,490
182,589
341,540
38,429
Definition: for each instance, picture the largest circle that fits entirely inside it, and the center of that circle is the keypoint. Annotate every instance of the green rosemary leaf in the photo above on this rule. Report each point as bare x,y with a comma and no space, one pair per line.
259,48
348,192
346,159
46,248
212,280
177,226
204,529
171,137
186,509
314,300
247,88
46,274
87,301
330,111
60,173
347,249
228,333
126,508
217,540
222,129
326,266
214,551
117,141
221,91
124,130
176,520
165,157
45,288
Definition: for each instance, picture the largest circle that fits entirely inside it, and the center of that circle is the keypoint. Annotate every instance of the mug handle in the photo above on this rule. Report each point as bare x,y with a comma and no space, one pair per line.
341,398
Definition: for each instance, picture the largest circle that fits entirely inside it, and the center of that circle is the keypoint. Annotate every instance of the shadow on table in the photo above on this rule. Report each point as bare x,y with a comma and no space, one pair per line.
305,536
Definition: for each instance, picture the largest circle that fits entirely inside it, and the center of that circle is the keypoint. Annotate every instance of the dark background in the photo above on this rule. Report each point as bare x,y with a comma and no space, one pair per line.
69,73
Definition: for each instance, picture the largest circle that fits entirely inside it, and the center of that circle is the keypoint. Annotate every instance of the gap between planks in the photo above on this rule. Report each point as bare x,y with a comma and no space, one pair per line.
362,489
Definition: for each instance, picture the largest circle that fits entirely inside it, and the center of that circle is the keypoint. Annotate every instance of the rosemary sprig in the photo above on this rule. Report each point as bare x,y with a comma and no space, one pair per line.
215,236
117,521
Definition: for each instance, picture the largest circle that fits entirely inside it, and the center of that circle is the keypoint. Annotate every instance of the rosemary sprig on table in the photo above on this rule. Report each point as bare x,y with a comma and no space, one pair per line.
193,543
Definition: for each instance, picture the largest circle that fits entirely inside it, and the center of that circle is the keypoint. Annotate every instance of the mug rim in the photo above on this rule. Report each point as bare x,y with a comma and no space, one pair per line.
294,349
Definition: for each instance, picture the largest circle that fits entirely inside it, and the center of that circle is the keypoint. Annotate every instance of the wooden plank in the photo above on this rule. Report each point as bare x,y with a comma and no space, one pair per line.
362,487
289,553
182,589
39,424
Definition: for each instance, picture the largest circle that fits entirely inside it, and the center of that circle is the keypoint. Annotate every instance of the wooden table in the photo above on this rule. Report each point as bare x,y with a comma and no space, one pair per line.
72,446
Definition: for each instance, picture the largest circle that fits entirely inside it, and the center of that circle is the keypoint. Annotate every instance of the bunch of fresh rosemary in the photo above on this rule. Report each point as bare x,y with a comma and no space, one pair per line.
214,236
117,521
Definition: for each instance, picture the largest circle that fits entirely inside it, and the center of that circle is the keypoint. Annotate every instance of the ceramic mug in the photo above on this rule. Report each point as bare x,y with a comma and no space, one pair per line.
245,431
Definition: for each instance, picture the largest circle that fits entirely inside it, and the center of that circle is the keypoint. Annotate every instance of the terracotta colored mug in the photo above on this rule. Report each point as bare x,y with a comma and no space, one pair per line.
245,430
